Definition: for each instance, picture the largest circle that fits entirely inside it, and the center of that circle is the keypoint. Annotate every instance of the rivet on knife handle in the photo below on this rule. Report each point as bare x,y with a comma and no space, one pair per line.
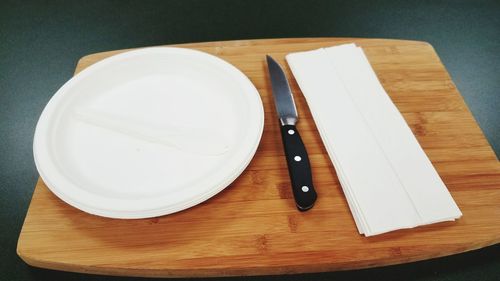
299,167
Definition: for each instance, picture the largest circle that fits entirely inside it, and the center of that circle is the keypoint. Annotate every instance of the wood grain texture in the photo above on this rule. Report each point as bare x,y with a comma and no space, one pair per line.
253,227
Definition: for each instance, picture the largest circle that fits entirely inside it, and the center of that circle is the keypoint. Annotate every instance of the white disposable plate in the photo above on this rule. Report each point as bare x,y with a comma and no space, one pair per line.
148,133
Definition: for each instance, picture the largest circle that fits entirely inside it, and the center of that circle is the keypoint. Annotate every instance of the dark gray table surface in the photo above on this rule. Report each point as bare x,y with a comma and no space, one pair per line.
41,41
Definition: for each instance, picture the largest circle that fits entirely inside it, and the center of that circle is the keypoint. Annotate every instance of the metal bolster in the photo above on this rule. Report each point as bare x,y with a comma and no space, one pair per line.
288,120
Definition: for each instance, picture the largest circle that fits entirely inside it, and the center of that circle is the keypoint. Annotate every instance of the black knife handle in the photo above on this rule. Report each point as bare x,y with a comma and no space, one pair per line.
299,168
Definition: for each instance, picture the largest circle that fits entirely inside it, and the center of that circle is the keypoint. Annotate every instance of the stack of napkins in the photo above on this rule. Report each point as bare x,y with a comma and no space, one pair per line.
388,180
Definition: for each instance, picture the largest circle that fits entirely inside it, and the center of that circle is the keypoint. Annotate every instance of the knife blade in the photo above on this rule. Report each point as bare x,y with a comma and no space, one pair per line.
297,159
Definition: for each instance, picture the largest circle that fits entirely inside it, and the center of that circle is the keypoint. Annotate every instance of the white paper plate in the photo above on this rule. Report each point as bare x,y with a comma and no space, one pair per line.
148,133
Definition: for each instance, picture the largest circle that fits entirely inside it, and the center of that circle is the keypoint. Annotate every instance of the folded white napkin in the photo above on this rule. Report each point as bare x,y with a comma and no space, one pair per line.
388,180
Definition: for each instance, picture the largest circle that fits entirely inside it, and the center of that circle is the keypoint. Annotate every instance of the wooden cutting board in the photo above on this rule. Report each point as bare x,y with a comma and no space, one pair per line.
253,227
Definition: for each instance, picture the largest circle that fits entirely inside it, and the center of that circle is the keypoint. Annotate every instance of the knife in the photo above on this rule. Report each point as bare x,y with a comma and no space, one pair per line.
297,160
